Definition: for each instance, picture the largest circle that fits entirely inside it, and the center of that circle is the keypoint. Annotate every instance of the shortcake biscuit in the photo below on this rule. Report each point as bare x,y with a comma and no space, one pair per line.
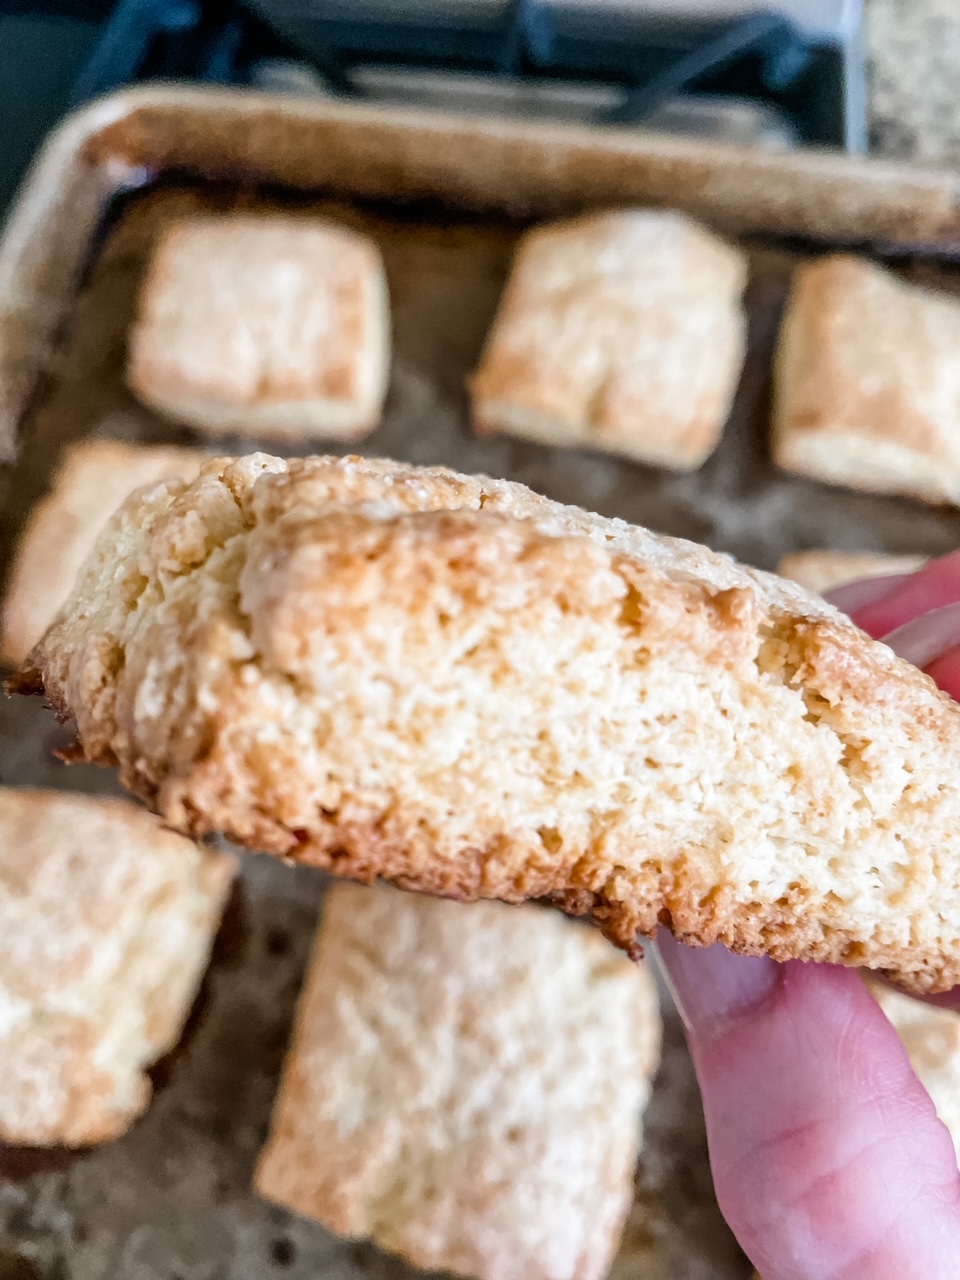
472,691
93,480
621,331
465,1086
106,925
867,386
276,327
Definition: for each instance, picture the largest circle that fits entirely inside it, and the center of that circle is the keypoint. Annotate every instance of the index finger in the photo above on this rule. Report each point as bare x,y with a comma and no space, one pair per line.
828,1157
868,1095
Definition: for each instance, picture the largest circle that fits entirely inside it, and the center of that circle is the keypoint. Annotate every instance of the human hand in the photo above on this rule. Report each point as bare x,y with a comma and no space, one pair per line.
827,1154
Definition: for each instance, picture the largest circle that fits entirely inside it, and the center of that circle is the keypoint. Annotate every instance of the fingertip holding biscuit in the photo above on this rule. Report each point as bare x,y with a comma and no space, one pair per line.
622,331
466,689
106,925
866,391
277,327
93,479
931,1037
822,570
465,1086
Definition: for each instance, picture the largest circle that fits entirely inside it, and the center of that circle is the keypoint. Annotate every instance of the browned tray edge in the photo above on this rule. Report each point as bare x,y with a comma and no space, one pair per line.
476,163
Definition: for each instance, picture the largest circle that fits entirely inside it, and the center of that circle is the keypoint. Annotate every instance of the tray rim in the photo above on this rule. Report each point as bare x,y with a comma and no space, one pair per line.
478,162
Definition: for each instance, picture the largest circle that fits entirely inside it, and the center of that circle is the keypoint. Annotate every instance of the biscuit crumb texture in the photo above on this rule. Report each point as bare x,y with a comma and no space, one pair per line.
93,480
272,326
465,1086
867,386
106,924
821,571
621,331
468,690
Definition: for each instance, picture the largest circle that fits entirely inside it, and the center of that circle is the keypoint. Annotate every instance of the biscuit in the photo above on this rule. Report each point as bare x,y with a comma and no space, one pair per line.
621,331
271,326
821,571
465,1086
466,689
106,924
93,480
867,388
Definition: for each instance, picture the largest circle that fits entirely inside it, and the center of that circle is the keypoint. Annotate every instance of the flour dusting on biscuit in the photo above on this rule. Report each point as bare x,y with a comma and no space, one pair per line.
466,689
465,1086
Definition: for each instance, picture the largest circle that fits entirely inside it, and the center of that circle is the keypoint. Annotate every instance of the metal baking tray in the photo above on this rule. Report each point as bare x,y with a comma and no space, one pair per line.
446,198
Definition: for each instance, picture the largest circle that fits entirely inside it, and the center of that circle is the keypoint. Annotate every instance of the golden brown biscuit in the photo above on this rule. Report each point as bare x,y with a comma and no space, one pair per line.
821,571
621,331
867,388
93,480
270,326
469,690
465,1086
106,923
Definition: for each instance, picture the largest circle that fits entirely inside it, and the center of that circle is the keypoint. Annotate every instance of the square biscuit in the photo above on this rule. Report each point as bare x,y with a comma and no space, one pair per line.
867,382
106,925
621,331
271,326
93,480
465,1086
821,571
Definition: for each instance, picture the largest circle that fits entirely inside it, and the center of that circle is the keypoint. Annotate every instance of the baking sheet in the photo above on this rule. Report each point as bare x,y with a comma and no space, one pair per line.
172,1198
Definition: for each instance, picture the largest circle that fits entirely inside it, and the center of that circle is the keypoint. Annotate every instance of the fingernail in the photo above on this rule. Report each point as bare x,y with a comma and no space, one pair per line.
868,591
935,585
927,637
944,671
711,986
